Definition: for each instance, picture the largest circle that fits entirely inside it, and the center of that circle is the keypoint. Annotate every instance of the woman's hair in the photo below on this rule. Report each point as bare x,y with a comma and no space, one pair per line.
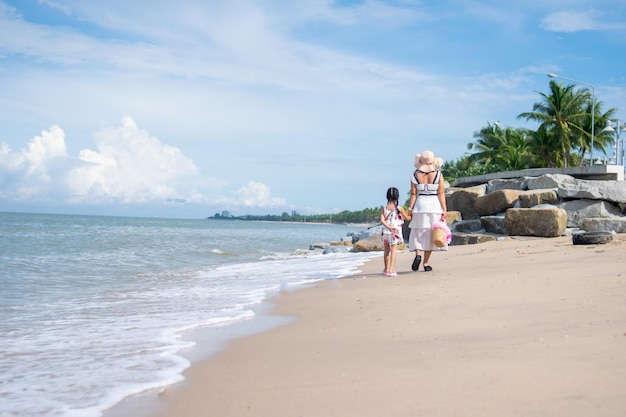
393,194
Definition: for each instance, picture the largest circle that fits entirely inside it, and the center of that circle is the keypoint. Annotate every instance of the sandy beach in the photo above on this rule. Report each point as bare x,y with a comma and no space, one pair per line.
517,327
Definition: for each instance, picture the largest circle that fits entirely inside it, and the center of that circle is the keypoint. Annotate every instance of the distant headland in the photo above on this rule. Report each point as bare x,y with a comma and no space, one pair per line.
368,215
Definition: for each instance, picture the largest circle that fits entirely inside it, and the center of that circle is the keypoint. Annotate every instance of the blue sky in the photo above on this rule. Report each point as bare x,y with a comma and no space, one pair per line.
187,108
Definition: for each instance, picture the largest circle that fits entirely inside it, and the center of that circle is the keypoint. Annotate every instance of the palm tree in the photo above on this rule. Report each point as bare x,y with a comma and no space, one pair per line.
602,140
543,149
500,149
564,115
487,146
514,153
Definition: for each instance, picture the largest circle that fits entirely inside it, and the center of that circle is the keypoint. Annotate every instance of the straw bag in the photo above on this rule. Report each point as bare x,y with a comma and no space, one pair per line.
441,234
439,237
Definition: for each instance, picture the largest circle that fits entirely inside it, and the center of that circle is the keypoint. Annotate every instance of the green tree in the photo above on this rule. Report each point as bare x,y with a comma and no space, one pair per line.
563,114
514,151
489,141
602,140
500,149
543,150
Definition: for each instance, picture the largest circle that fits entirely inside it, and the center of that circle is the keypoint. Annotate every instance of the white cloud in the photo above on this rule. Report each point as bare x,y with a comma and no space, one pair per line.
256,194
575,21
127,167
131,167
33,170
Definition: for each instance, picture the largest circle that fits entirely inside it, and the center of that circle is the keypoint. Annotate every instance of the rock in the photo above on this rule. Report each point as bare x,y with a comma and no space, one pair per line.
464,199
318,245
578,210
494,224
470,238
453,217
467,226
604,225
614,191
540,222
536,197
369,244
507,184
370,232
591,238
496,202
549,181
337,249
341,243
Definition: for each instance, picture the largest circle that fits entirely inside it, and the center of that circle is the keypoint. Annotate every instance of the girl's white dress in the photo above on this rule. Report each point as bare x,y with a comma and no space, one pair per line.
426,211
394,219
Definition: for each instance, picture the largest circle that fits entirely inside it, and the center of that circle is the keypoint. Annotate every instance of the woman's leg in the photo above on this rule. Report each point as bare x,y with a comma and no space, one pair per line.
418,256
426,259
417,260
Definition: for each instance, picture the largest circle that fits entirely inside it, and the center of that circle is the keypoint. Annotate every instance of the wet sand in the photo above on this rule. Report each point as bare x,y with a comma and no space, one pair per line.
518,327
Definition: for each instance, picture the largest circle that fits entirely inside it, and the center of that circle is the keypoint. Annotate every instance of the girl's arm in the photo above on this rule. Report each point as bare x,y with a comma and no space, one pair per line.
405,215
382,219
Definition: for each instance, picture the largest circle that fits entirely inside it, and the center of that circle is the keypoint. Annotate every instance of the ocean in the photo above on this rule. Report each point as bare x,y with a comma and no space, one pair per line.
94,309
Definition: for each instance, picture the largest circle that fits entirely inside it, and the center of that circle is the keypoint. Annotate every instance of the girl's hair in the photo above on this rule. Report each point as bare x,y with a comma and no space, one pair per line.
393,194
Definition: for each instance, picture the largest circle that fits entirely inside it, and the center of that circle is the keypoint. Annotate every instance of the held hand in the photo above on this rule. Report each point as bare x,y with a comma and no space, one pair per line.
443,217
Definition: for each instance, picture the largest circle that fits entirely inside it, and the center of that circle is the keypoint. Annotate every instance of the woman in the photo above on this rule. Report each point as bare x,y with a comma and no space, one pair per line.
428,205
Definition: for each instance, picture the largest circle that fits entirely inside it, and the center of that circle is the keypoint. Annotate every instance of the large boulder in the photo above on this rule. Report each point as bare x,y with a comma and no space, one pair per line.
467,226
496,202
540,222
364,234
614,191
453,217
507,184
337,249
494,224
368,244
549,181
471,238
464,199
536,197
578,210
569,187
604,225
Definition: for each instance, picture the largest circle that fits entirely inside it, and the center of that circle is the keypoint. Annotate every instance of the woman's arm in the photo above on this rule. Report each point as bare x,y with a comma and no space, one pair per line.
413,196
441,195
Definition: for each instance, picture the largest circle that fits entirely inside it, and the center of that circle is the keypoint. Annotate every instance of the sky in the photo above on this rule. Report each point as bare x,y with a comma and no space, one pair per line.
189,108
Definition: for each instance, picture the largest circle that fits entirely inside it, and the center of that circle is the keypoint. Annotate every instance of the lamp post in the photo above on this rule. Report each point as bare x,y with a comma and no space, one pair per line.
619,145
593,107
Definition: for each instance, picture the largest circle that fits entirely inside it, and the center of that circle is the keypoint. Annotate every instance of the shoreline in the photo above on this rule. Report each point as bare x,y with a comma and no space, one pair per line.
523,326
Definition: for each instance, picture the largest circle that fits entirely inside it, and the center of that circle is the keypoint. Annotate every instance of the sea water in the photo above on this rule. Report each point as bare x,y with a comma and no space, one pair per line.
95,309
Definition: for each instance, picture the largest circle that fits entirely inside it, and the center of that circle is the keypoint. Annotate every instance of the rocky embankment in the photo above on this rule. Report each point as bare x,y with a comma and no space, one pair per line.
549,205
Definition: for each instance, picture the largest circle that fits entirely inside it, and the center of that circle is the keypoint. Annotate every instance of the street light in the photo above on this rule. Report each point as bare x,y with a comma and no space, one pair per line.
619,148
593,107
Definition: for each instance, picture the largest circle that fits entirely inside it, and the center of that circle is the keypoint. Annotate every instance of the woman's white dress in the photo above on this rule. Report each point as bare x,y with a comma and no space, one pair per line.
426,211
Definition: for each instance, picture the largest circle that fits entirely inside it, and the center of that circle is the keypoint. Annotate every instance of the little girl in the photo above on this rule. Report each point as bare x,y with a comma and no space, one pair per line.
392,217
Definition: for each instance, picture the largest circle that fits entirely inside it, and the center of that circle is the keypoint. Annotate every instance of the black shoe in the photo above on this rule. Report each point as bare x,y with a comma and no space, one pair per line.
416,262
428,268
